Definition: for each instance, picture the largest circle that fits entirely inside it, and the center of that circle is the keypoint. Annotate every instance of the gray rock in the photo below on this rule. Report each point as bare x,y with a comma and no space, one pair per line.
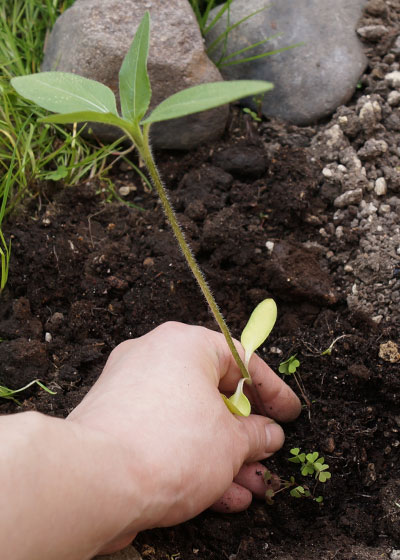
393,79
312,80
92,37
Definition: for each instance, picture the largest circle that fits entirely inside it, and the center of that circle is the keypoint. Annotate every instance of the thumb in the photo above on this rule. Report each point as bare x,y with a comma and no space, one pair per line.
263,437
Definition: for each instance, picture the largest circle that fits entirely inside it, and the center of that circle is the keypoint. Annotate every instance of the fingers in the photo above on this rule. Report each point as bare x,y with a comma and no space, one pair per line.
258,438
279,400
235,499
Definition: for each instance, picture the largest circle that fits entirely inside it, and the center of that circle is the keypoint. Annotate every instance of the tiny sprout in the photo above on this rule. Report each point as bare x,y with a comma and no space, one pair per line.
328,351
252,114
6,393
289,366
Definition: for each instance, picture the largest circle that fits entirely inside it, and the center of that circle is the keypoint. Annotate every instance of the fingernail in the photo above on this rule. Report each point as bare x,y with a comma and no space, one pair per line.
275,437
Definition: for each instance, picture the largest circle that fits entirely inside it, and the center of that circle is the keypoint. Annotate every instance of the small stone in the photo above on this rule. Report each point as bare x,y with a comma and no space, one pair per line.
270,246
48,337
372,32
372,148
360,371
348,268
348,197
148,261
124,191
395,554
275,350
384,209
326,172
380,186
393,79
376,7
339,232
394,98
389,352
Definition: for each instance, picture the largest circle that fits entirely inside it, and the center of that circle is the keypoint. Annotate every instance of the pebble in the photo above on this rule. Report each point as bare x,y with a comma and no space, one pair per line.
393,79
389,352
373,148
372,32
349,197
394,98
270,246
395,554
48,337
380,186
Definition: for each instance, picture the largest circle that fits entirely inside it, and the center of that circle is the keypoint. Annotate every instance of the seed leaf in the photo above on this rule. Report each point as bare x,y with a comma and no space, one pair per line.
259,326
134,83
204,97
238,403
62,92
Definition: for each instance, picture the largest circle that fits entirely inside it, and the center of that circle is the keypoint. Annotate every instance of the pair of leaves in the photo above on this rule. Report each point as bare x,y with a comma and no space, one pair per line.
311,463
258,328
6,393
79,99
289,366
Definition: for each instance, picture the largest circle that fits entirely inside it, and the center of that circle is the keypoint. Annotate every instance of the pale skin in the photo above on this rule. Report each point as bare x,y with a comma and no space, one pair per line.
151,445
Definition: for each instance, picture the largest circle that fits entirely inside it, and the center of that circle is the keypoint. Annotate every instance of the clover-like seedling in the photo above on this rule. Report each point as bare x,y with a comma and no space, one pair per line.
289,366
76,99
311,464
258,328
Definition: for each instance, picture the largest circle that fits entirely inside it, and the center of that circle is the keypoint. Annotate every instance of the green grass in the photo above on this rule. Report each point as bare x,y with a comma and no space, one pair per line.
40,152
217,50
31,152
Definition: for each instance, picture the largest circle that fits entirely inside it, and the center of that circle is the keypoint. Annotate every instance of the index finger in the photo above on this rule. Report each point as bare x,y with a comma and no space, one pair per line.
280,402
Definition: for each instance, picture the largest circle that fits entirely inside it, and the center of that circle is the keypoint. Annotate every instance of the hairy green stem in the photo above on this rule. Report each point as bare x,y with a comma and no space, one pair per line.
143,145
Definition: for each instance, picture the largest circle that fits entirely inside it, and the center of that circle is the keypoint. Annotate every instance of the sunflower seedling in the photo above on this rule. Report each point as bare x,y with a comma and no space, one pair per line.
78,100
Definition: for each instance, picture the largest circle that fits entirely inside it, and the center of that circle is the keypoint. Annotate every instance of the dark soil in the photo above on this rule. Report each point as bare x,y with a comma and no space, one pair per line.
87,274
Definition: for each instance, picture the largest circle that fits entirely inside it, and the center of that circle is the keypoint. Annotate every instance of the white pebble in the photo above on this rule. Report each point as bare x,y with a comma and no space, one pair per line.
377,318
326,172
124,191
380,186
270,246
348,268
394,98
48,337
393,79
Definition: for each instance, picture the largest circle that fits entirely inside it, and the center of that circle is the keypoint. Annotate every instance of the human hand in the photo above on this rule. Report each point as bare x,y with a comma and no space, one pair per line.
158,396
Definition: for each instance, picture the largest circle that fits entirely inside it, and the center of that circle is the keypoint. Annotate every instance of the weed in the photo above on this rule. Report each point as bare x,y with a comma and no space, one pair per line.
6,393
311,464
289,367
76,99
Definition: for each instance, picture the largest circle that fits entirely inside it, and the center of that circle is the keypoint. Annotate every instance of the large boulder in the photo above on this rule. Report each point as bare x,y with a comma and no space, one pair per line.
312,80
92,37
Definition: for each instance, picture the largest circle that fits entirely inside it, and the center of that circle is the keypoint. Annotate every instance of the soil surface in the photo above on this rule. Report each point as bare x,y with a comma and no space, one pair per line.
86,274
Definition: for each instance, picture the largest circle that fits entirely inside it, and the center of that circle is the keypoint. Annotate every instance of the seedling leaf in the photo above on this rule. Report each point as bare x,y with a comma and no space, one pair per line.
258,327
204,97
62,92
324,476
238,403
134,83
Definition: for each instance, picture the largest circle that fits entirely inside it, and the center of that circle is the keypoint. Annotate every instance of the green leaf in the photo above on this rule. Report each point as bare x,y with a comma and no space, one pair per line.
62,92
295,451
85,116
319,500
311,457
238,403
324,476
204,97
134,83
258,327
60,173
